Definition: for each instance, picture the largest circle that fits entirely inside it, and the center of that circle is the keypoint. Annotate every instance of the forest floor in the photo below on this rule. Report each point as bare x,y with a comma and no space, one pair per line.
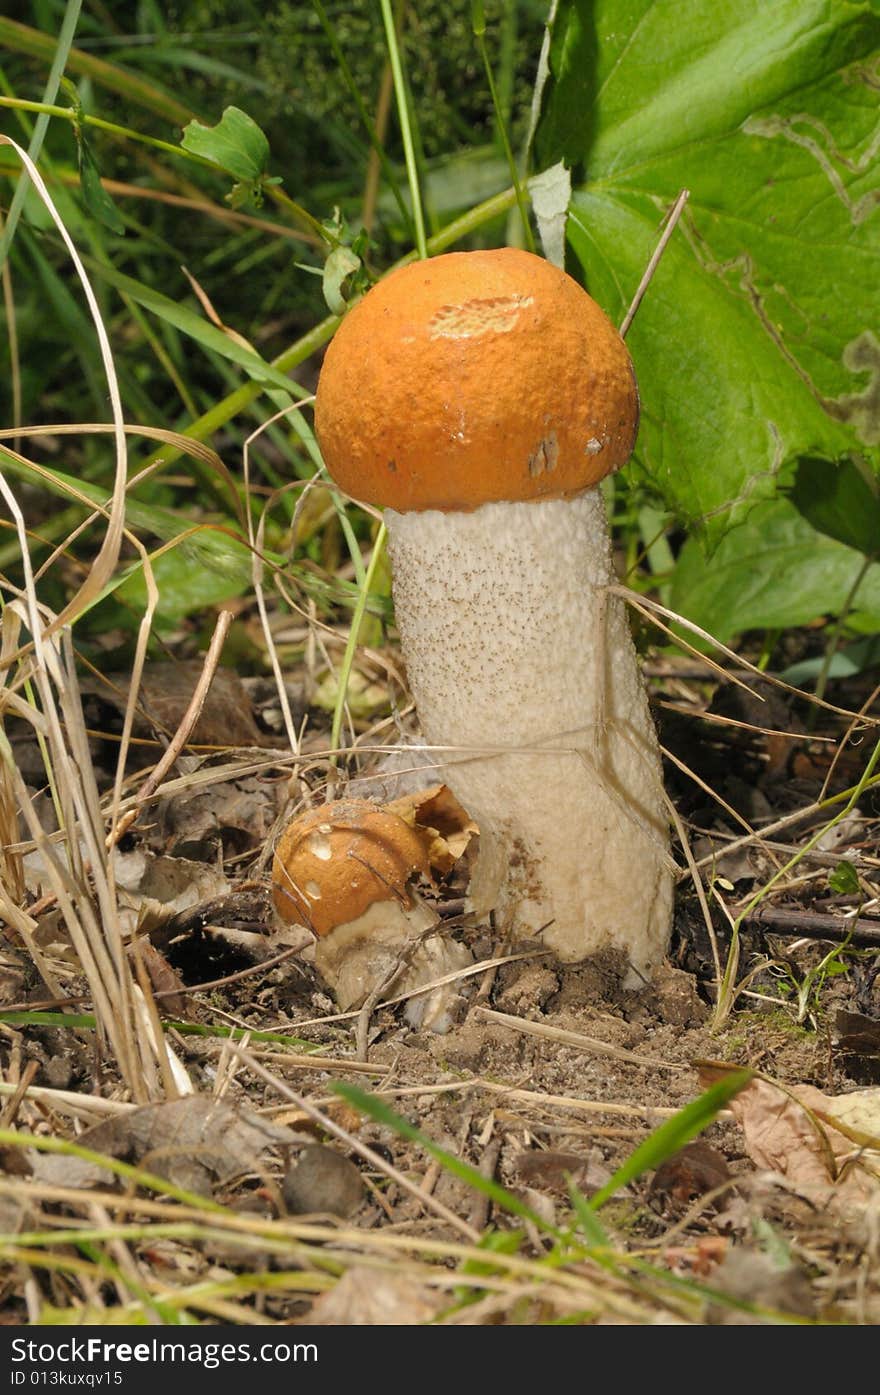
552,1077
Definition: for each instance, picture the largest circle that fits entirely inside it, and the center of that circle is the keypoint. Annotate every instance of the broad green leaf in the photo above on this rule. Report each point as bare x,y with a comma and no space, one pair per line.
846,661
756,342
844,880
236,144
771,571
838,501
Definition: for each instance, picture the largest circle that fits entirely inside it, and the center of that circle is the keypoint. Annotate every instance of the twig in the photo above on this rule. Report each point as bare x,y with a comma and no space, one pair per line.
814,925
577,1039
671,224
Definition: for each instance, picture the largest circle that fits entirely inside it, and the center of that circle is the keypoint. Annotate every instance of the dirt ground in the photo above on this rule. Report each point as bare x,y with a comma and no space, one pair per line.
551,1075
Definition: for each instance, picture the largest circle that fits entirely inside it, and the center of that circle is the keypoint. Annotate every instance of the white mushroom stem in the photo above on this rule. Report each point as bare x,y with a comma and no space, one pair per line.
357,958
522,663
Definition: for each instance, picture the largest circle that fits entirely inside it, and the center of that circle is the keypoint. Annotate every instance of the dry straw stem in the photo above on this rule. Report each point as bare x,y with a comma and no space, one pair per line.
330,1126
83,882
671,223
105,563
593,1045
579,1283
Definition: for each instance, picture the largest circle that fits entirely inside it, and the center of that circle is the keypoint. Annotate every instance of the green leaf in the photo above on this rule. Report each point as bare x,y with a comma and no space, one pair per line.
838,501
850,659
756,342
588,1222
236,144
844,880
95,196
340,264
772,571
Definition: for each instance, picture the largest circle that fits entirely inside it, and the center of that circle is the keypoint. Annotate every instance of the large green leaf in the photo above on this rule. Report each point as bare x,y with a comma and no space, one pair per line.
755,343
771,571
841,502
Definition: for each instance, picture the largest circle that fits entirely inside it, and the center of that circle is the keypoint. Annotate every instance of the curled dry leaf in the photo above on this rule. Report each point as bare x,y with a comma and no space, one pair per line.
826,1146
194,1142
366,1297
165,693
445,828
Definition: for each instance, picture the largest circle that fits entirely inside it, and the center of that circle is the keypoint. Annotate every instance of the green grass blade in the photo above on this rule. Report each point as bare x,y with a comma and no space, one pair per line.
41,125
673,1134
406,129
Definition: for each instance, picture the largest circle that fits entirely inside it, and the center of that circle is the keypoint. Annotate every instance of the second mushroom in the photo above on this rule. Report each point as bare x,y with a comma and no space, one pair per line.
480,398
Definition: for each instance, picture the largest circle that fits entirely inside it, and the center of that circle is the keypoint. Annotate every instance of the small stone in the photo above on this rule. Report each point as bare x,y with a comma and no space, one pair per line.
322,1181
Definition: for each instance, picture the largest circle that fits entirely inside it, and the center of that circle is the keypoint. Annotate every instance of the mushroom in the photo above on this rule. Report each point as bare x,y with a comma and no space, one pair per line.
480,398
345,871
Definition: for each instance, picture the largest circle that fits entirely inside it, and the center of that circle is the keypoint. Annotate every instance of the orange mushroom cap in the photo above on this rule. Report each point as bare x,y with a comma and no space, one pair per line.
472,378
332,863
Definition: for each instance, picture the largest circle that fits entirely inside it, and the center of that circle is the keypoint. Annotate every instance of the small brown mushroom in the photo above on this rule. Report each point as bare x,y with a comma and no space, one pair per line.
345,871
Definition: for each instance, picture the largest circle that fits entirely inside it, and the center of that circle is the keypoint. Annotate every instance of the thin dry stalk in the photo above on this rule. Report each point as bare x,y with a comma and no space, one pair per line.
330,1126
593,1045
181,736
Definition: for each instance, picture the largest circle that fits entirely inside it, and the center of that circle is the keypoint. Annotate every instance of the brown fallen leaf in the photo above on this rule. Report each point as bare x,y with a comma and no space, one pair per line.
194,1142
166,690
446,827
366,1297
163,978
826,1146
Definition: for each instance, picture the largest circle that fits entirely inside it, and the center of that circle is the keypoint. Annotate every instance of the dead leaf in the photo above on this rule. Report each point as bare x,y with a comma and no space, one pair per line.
163,978
166,690
446,827
366,1297
827,1146
194,1142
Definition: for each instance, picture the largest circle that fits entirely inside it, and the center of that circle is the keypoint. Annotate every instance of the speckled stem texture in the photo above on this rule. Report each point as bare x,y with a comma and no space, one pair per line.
516,652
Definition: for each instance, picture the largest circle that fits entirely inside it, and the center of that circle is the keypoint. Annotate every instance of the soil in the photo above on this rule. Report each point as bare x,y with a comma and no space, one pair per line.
552,1074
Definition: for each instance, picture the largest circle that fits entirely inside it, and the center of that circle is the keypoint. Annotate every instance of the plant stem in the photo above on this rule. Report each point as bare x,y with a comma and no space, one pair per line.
501,126
373,133
406,132
62,50
837,630
352,643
